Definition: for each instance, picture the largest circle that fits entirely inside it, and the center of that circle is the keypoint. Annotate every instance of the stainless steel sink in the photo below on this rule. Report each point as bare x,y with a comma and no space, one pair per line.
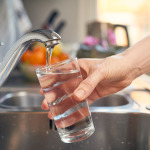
119,103
22,101
119,123
111,101
30,100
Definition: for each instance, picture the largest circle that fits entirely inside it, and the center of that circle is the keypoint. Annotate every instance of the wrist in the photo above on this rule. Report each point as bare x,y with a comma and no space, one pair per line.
131,63
138,57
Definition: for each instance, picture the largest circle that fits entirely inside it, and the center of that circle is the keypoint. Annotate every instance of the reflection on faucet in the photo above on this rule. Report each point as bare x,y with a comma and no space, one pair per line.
48,37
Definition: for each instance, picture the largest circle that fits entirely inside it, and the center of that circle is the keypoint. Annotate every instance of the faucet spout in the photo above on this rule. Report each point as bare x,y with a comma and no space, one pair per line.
48,37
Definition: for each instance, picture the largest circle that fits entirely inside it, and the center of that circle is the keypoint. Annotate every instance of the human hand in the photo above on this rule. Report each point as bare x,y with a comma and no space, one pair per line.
101,77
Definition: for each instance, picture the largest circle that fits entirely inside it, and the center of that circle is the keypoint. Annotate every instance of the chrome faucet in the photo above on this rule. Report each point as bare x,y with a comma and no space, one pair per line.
13,55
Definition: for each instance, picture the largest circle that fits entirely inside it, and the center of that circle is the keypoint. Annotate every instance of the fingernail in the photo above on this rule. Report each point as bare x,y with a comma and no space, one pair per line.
80,93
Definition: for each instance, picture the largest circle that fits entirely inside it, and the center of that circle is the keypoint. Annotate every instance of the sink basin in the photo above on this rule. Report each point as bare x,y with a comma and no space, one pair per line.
22,101
111,100
113,131
31,101
23,125
119,103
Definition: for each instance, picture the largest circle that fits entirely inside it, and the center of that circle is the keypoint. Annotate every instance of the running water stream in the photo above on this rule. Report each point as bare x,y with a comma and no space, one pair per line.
49,51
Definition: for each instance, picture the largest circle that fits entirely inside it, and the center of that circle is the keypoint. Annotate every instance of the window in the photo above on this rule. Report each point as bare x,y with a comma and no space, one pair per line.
135,14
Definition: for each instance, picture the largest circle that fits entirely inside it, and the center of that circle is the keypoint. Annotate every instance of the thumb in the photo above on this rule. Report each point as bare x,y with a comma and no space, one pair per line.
87,86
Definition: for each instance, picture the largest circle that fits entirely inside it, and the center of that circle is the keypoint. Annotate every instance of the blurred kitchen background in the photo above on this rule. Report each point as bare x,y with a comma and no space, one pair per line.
89,29
97,28
76,16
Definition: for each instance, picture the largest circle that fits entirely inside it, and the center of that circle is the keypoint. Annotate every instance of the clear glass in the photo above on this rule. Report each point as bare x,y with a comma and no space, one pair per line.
72,118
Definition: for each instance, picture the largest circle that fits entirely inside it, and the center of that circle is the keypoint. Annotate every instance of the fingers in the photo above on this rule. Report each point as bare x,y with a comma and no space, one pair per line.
50,115
87,86
73,118
51,96
45,105
41,91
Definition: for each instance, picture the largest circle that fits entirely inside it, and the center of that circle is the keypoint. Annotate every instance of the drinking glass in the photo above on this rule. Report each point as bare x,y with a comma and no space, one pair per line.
72,118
